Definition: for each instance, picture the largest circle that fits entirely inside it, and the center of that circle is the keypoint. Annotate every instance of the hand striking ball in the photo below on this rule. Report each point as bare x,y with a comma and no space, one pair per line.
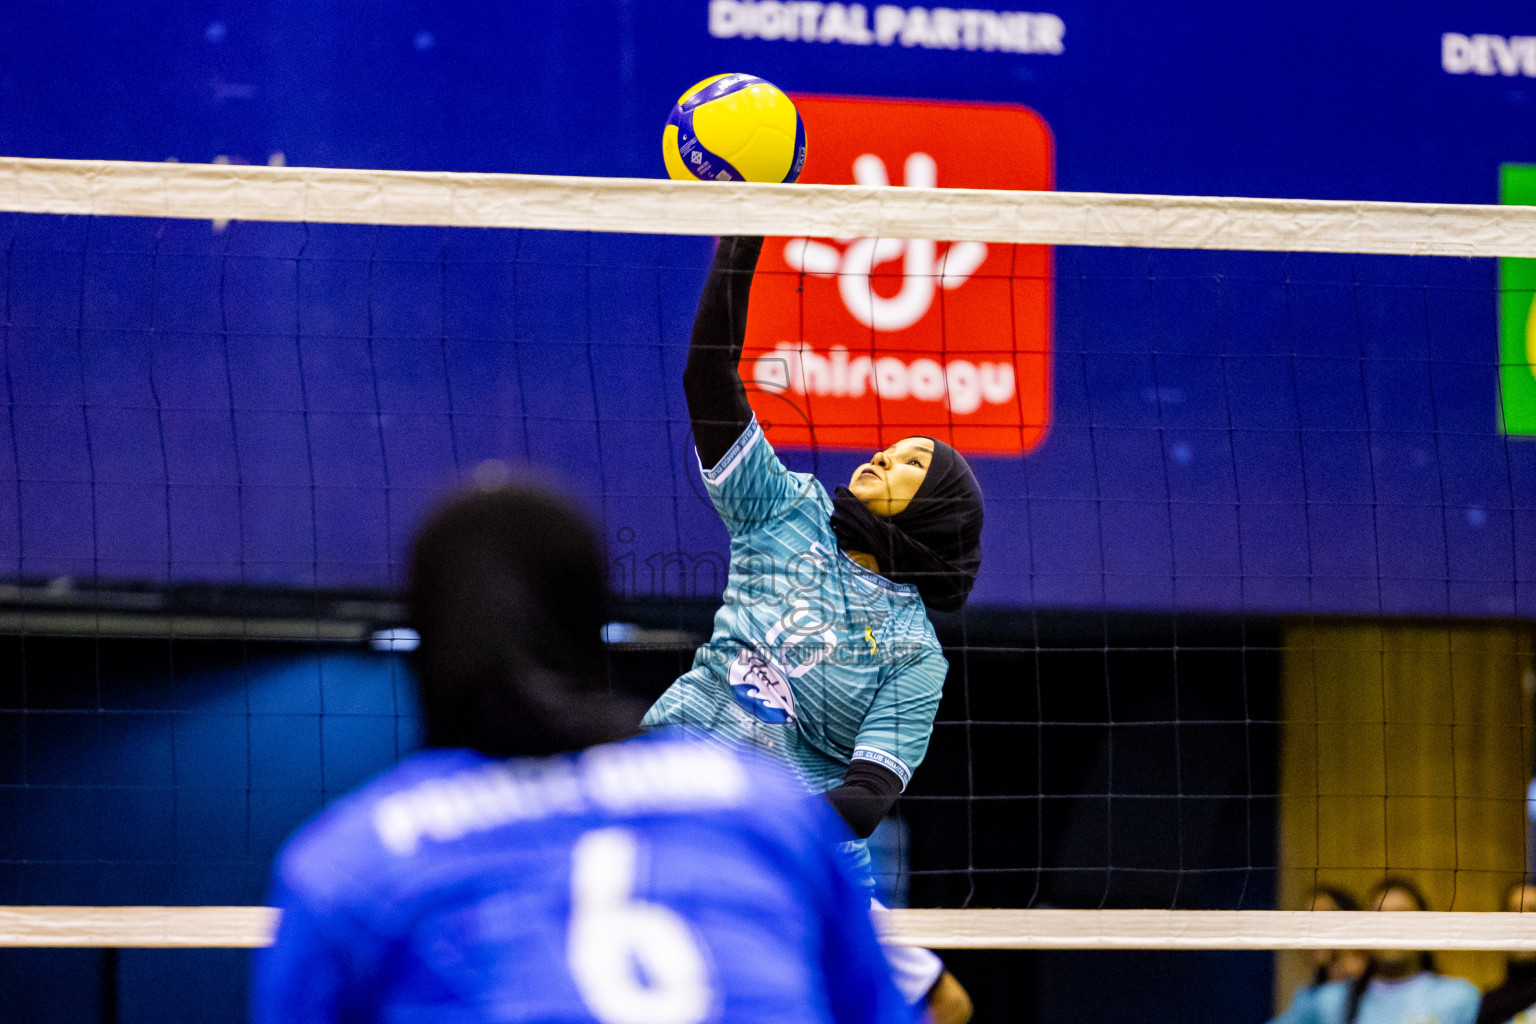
734,128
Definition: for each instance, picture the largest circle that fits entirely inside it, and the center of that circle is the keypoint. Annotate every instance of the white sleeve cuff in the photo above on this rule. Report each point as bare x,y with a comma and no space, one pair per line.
890,762
732,458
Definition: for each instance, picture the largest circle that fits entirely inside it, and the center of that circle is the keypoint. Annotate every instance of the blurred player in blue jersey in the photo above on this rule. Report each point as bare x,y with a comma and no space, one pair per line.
822,654
537,863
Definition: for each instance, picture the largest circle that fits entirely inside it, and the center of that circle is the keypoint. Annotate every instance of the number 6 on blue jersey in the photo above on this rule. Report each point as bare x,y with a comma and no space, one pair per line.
633,962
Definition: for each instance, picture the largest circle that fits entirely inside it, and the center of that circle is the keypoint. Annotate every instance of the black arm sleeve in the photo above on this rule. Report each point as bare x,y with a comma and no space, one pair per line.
717,400
868,791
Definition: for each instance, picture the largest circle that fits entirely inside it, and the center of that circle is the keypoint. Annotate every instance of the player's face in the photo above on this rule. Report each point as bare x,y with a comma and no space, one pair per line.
1323,957
887,482
1395,961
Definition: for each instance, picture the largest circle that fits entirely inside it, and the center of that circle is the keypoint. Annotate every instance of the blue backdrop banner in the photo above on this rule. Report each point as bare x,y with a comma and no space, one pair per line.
247,403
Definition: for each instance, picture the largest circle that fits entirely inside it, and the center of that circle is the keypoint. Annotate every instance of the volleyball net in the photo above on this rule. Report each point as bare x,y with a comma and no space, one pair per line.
1255,610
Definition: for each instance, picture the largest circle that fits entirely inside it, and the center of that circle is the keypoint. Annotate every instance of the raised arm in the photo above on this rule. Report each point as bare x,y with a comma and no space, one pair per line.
717,400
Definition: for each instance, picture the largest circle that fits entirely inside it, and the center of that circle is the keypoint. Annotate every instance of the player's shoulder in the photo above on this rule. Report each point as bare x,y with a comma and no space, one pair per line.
912,634
807,517
349,822
723,788
921,627
1324,1002
339,852
905,613
671,770
366,844
753,456
1453,991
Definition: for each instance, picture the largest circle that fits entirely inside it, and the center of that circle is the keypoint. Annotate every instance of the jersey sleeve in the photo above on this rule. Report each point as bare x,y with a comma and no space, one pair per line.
1466,1003
899,723
303,976
751,487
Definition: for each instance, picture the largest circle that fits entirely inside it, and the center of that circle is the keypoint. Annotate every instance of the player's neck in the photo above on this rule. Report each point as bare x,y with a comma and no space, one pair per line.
1398,970
864,559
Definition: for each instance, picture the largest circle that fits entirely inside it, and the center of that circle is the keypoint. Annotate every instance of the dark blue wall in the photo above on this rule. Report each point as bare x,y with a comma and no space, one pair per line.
182,766
151,772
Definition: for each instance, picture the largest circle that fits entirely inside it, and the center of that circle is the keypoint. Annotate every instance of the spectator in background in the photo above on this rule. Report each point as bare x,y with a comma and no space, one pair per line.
1335,964
1329,965
1515,999
1397,987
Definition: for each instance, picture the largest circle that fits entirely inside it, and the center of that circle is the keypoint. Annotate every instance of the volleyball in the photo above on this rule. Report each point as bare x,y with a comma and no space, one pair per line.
734,128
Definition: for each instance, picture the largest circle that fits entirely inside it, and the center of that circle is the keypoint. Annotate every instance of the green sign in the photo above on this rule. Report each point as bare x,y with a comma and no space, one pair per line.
1517,327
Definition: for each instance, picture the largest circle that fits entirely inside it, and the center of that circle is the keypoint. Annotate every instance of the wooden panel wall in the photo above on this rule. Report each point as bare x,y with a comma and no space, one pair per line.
1406,750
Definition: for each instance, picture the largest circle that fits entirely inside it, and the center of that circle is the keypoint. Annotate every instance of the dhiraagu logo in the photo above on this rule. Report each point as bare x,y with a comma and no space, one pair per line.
874,339
1517,314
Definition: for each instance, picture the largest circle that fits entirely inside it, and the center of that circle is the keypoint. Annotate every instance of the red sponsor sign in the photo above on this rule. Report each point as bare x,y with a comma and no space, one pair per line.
856,343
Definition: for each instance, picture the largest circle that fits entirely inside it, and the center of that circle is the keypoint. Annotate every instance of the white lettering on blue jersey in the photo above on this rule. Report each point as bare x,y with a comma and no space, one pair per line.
654,881
609,778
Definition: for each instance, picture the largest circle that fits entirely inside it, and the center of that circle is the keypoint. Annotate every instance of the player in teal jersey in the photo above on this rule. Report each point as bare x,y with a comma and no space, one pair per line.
822,653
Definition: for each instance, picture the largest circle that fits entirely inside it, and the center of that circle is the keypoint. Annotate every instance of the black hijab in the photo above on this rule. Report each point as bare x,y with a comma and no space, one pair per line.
934,543
509,591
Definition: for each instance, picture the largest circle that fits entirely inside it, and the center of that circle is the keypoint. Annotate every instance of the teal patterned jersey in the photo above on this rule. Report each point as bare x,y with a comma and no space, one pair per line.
814,660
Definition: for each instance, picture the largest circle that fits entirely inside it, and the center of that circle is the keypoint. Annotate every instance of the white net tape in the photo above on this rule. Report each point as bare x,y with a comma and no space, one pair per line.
250,927
647,206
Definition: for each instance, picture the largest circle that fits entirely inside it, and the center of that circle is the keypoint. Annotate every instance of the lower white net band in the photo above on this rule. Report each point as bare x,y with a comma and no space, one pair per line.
249,927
